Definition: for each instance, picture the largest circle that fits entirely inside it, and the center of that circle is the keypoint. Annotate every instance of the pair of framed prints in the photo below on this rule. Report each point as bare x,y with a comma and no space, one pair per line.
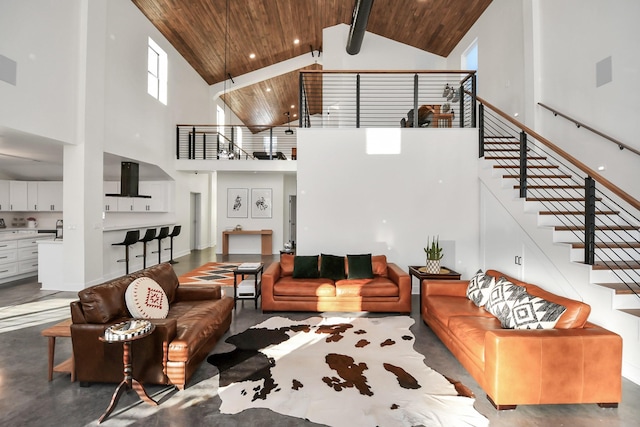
238,203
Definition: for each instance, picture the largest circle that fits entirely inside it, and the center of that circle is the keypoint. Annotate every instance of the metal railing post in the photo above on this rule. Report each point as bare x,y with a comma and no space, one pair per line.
301,105
204,146
357,100
461,105
217,145
178,142
480,130
473,100
192,145
270,143
523,164
589,220
415,101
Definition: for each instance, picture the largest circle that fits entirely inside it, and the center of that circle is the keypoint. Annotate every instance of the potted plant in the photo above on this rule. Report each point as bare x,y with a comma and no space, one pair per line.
434,255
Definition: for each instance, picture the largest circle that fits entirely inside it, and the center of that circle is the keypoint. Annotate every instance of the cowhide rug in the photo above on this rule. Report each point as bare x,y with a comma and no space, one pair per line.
339,372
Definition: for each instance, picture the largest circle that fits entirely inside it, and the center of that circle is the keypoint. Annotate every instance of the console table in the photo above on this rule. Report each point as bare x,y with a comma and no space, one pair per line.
266,238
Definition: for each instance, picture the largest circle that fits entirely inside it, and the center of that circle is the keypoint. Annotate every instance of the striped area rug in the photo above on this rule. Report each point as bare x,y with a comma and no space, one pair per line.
211,273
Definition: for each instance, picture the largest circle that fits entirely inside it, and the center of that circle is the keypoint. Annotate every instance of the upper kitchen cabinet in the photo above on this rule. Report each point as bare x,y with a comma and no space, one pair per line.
50,196
18,200
4,196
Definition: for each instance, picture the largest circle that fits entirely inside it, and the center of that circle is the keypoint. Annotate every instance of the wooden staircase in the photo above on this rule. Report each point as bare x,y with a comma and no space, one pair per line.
558,199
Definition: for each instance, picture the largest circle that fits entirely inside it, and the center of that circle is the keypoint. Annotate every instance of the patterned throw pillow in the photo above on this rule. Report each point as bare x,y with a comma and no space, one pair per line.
532,312
146,299
502,299
480,287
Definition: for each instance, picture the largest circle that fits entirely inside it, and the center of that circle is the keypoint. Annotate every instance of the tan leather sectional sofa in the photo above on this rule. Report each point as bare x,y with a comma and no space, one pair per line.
388,291
198,317
575,362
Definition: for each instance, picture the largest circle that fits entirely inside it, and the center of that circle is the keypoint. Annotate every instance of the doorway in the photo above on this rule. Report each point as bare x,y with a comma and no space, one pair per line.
196,221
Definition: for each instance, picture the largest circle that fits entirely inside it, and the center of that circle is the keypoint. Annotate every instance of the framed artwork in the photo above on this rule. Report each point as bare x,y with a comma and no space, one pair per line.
261,203
237,202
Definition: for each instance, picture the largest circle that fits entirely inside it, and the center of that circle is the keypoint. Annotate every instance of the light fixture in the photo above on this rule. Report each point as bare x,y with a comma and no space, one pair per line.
268,89
252,55
296,41
289,131
293,106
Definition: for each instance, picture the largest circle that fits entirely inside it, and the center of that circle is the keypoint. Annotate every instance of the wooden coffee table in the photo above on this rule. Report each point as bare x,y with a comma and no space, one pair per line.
62,329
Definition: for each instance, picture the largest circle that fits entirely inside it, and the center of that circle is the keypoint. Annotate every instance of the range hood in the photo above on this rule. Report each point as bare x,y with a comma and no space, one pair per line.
129,180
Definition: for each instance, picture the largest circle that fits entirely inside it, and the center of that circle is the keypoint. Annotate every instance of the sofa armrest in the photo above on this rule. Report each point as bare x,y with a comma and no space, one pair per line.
581,365
455,288
399,277
196,292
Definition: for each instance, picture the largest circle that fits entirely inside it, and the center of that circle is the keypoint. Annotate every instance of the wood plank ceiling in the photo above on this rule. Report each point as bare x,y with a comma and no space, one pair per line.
217,37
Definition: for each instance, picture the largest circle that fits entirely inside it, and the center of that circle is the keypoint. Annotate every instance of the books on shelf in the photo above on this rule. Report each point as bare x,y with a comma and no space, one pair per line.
249,265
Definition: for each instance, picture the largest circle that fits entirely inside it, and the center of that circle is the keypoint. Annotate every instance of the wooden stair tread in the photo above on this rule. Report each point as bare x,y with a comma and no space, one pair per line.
553,186
528,166
558,199
576,213
618,265
538,176
599,228
609,245
631,311
513,158
620,288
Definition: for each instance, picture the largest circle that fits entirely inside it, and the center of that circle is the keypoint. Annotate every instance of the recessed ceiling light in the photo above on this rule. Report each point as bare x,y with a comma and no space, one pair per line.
293,106
252,55
268,89
295,115
296,41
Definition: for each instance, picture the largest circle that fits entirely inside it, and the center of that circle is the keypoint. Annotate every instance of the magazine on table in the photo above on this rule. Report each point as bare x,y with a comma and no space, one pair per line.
249,265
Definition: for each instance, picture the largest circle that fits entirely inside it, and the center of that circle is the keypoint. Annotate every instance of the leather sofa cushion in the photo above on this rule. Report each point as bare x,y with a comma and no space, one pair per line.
288,286
376,287
286,264
445,307
470,331
196,322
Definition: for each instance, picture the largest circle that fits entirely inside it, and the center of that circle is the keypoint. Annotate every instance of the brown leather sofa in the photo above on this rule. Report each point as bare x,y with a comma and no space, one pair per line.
388,291
198,317
576,362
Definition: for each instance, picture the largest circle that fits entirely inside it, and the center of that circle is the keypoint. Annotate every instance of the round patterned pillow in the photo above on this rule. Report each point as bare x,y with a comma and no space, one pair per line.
146,299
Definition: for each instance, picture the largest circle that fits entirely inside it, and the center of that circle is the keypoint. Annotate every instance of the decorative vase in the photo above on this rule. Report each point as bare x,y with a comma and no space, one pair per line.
433,266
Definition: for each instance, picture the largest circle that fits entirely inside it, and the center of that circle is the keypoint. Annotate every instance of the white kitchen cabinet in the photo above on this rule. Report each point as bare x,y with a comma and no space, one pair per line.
18,200
4,196
19,256
158,200
32,196
111,202
49,196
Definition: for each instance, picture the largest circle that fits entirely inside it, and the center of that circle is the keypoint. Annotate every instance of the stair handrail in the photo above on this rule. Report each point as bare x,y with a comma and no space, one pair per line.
579,124
577,163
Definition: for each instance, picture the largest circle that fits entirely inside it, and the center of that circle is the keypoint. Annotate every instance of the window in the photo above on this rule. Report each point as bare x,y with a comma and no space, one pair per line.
238,137
157,72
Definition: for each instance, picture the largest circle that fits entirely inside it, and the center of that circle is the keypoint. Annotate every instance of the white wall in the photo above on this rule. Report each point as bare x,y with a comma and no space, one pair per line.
42,38
376,53
353,202
250,244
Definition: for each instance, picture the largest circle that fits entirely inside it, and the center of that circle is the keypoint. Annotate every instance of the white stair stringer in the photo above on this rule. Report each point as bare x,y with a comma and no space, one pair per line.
574,278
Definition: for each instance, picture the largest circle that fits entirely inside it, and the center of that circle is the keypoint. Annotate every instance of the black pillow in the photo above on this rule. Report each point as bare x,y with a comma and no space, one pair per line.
305,267
332,267
360,266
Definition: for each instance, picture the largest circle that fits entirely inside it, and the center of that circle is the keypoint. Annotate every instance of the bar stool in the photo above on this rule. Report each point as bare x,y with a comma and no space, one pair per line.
163,234
130,238
149,235
174,233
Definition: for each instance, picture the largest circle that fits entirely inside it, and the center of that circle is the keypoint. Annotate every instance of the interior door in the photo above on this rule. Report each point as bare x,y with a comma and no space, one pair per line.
195,222
292,218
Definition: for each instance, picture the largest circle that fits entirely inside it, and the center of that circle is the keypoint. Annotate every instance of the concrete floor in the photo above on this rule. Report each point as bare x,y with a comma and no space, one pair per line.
28,399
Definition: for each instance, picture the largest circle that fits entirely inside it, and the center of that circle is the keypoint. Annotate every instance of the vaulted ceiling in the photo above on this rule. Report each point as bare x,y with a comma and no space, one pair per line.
217,38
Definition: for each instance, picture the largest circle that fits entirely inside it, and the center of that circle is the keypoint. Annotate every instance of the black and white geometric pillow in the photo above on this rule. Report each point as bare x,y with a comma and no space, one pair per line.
502,299
480,287
531,312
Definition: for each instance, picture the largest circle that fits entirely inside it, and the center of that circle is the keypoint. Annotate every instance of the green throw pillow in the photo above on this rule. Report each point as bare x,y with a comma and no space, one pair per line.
360,266
305,267
332,267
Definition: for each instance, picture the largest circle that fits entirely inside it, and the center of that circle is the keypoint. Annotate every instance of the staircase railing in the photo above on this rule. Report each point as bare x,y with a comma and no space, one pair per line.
594,214
579,124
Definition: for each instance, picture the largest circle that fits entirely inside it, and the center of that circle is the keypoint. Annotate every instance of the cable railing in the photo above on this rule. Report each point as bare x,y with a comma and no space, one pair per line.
354,99
585,209
621,145
213,142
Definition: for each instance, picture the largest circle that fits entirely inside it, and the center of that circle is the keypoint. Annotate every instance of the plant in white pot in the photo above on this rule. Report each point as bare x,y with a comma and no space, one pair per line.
434,255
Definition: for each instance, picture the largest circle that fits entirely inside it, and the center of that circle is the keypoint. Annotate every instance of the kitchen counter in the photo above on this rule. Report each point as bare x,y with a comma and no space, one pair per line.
24,233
